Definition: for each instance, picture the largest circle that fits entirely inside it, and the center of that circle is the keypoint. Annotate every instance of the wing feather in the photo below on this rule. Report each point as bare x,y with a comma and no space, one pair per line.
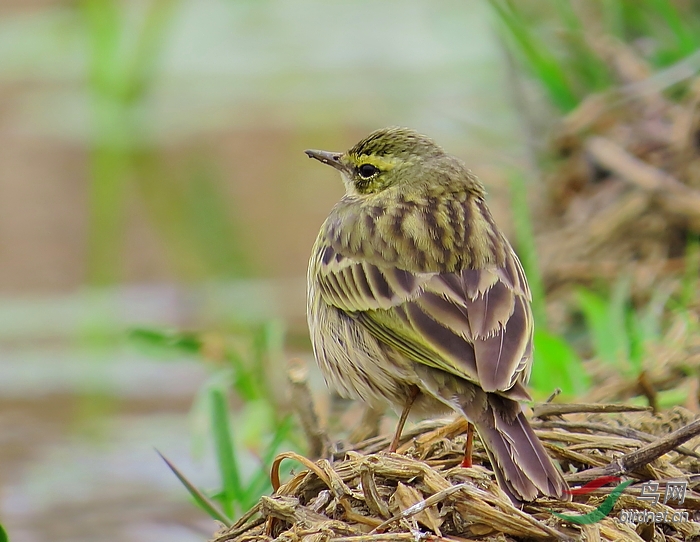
475,323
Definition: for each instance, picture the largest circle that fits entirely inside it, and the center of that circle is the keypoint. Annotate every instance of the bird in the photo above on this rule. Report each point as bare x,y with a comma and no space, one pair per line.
417,300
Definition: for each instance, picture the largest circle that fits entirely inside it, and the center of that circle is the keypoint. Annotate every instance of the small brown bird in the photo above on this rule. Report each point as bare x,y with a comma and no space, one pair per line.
415,297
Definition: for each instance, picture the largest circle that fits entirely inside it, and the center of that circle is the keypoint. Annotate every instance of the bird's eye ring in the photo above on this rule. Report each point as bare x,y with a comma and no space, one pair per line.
367,170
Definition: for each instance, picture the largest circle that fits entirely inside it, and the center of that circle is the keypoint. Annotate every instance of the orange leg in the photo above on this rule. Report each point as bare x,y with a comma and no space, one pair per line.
404,416
468,447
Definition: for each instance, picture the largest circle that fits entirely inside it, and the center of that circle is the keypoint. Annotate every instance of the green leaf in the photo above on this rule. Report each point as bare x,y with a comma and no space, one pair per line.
557,366
138,70
686,39
584,62
165,341
225,449
254,422
260,483
609,336
200,412
613,14
268,346
618,311
244,381
3,535
202,501
104,25
645,326
536,56
209,218
671,398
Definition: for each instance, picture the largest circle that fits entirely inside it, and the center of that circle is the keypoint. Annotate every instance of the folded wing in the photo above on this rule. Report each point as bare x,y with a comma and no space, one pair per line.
475,323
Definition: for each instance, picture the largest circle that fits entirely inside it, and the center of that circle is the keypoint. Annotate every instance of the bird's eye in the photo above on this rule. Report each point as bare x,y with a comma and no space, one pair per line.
367,170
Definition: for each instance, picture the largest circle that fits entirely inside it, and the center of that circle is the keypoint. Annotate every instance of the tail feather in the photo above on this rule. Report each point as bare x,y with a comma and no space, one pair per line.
522,466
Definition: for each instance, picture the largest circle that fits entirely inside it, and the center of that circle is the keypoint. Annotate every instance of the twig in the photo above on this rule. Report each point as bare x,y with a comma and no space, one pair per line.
643,456
612,430
390,537
675,196
245,517
275,469
683,69
419,507
647,389
234,532
302,402
375,444
554,395
543,410
369,488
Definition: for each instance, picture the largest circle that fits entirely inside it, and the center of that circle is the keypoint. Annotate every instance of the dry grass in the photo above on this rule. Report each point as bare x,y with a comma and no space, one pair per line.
421,493
624,193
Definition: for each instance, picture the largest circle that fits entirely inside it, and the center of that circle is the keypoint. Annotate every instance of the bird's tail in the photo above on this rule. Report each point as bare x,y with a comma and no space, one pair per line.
523,468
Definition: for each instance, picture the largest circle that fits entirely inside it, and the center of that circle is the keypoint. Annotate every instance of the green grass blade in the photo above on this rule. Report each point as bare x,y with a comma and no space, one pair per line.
268,347
165,341
109,160
202,501
645,326
673,397
525,241
607,322
689,281
225,449
3,535
536,56
637,340
613,15
140,69
618,316
104,26
557,366
244,380
584,65
200,412
686,40
260,483
210,219
595,313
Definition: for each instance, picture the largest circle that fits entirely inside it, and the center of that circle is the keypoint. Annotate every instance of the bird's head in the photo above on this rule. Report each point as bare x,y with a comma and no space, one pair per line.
386,158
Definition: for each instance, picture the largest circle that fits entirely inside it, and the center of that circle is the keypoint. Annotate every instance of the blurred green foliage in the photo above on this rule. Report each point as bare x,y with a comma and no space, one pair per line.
120,72
199,498
556,365
619,332
562,44
187,210
558,41
258,424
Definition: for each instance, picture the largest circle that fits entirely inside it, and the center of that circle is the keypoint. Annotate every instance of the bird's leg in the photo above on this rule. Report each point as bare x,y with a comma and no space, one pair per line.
468,447
412,394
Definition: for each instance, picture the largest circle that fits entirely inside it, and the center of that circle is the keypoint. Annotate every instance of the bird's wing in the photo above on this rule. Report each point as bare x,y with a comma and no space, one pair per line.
476,324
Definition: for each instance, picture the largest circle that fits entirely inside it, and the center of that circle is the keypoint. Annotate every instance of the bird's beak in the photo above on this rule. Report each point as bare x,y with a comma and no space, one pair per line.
330,158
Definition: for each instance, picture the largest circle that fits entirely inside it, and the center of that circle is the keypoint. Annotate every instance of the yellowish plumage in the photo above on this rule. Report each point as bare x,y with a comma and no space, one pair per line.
411,283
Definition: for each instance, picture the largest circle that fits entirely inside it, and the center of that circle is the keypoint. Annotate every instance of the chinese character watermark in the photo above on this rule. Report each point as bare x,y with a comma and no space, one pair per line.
674,491
650,492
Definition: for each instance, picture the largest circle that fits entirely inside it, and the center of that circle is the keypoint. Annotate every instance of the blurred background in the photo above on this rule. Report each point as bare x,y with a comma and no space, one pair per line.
157,214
